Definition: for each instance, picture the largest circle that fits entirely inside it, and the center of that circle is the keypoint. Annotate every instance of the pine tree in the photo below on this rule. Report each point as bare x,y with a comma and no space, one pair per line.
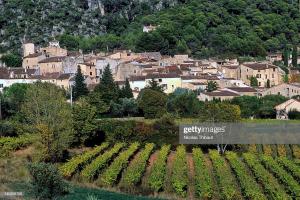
80,88
295,56
107,86
126,90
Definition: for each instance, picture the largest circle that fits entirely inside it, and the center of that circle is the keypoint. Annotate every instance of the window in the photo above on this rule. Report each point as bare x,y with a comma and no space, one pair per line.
100,71
272,75
91,73
259,83
160,80
90,67
1,85
258,70
134,71
274,69
266,76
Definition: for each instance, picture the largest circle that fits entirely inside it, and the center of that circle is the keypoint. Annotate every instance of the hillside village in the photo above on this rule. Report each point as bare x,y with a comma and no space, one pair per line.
58,66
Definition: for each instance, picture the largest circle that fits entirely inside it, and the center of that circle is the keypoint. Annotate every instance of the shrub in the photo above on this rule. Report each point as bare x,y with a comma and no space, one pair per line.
46,182
134,172
91,170
293,114
292,186
158,171
270,184
69,168
281,150
290,166
9,144
248,184
224,176
267,150
296,151
110,176
203,181
179,177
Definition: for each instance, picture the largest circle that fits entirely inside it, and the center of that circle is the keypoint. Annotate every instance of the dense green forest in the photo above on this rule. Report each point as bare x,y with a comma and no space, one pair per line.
201,28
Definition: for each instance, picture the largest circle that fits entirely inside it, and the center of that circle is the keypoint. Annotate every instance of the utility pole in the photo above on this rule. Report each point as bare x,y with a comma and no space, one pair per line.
71,95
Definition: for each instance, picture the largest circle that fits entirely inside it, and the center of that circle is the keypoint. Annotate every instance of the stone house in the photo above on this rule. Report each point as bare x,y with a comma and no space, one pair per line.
217,95
283,109
287,90
263,72
51,65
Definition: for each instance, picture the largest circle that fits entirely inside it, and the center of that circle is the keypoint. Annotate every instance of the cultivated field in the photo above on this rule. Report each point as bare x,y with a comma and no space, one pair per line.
160,172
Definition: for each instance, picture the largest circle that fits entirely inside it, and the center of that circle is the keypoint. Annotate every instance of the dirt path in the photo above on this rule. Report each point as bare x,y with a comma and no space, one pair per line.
191,174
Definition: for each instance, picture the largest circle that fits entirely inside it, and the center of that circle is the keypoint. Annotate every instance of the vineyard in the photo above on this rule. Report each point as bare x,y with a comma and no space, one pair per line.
176,173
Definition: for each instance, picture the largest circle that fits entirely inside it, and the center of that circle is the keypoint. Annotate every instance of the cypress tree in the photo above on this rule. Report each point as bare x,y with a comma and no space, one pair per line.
80,88
126,90
286,55
107,86
295,56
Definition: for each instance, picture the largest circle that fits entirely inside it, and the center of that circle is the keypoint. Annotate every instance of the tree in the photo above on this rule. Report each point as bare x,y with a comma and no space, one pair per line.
154,85
84,116
182,47
266,109
220,112
212,86
249,105
12,60
46,181
268,83
45,109
80,88
286,56
295,56
152,103
126,91
125,107
95,99
13,97
184,105
107,87
253,81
